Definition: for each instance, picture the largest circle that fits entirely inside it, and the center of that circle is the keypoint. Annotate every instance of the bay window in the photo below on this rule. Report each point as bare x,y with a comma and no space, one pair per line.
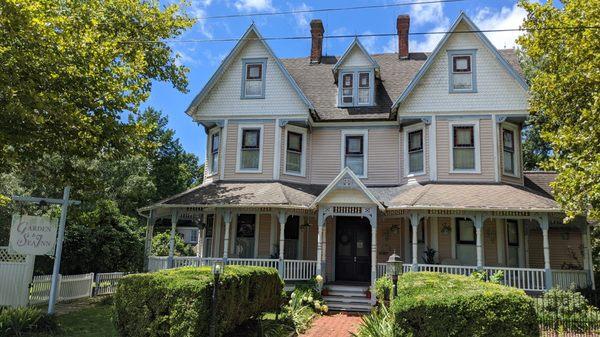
354,150
509,150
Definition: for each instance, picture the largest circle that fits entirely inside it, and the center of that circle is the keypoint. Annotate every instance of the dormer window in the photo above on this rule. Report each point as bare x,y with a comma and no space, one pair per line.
352,94
461,66
253,80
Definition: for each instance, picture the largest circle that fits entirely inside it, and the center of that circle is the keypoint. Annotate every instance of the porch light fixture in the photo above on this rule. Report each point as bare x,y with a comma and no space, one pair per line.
198,224
217,269
393,269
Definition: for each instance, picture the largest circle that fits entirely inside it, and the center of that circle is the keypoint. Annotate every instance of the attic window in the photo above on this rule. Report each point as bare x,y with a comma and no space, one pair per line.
253,80
356,95
462,71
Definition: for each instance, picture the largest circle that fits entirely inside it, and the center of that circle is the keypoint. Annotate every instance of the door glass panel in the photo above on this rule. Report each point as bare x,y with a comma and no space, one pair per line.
362,243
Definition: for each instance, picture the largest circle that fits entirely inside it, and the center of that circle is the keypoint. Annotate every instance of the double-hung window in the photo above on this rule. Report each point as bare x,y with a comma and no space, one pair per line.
353,93
415,152
215,140
294,155
508,145
464,151
253,80
512,238
462,71
354,152
244,242
250,153
208,235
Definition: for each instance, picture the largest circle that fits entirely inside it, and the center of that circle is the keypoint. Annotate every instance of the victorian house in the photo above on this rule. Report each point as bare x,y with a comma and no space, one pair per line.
327,165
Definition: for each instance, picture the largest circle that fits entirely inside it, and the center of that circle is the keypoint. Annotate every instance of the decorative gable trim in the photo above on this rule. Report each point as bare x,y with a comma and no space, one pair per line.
346,179
354,43
486,42
227,62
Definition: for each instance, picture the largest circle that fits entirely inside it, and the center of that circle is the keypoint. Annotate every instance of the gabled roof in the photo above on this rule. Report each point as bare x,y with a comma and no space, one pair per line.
334,185
486,42
355,43
232,55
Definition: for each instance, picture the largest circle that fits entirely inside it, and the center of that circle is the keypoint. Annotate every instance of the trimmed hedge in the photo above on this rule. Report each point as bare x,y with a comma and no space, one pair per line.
434,304
177,302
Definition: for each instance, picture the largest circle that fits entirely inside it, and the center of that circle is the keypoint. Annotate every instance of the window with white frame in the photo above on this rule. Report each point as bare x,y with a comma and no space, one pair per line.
208,235
354,152
509,149
253,79
352,94
215,141
244,238
466,240
465,147
250,148
462,71
295,157
414,151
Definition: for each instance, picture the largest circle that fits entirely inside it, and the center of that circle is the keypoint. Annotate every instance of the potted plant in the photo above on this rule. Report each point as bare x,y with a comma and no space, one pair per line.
325,291
368,292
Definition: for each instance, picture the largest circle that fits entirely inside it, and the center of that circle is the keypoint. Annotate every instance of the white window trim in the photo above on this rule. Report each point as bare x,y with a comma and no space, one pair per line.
209,151
517,146
355,80
475,125
304,134
183,230
241,128
357,132
407,130
462,52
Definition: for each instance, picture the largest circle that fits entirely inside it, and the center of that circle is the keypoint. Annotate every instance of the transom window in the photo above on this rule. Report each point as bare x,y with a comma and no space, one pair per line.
294,153
462,71
215,141
253,85
352,94
415,151
508,144
465,231
250,149
246,228
354,154
463,151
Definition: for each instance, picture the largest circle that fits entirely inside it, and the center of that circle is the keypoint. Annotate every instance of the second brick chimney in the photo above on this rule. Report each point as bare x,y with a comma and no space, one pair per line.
316,48
403,26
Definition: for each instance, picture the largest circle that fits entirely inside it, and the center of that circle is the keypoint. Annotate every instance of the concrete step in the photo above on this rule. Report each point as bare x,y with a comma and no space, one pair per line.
350,307
346,299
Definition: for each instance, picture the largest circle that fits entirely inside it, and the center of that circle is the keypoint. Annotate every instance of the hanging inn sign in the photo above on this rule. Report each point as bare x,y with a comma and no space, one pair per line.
33,235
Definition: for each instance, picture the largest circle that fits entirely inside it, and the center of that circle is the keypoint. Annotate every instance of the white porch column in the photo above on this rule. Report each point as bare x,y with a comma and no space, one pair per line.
201,236
414,222
227,219
588,264
172,238
373,220
282,217
478,222
500,241
149,235
545,225
320,226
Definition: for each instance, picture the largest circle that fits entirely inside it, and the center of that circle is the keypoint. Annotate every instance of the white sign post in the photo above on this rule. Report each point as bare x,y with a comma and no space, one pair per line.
64,202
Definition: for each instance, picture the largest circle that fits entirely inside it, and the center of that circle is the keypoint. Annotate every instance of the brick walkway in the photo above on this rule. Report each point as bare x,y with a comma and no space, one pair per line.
334,325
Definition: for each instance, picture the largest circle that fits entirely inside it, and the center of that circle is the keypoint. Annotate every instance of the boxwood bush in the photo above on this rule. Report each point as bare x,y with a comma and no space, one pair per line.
177,302
434,304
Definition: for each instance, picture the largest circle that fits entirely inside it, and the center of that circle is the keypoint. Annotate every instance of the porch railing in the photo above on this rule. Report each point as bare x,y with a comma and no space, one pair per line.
297,270
568,278
527,279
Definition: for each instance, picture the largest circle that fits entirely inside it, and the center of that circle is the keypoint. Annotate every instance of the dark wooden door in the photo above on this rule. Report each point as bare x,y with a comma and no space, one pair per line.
352,249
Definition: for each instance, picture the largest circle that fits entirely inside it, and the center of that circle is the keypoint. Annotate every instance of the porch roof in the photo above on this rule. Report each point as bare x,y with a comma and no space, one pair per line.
440,196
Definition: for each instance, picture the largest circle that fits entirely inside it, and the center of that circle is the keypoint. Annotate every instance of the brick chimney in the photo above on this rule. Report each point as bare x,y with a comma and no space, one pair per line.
403,26
316,48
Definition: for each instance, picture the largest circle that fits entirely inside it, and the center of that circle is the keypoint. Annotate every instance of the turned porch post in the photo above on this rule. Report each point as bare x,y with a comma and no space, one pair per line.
545,225
227,219
478,223
414,222
201,236
172,238
373,220
320,225
149,235
282,217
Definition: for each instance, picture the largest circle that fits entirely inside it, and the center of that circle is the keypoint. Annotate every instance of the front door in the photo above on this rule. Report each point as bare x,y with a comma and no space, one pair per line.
352,249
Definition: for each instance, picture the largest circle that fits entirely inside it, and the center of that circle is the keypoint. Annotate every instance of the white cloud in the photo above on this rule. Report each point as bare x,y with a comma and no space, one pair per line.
506,18
391,46
369,42
302,19
254,5
198,10
421,14
429,41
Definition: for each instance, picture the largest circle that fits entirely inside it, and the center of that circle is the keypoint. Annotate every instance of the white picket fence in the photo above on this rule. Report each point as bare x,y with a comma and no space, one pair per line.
71,287
106,283
16,271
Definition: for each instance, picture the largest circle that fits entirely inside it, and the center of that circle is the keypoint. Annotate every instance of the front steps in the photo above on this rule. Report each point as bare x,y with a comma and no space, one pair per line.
347,298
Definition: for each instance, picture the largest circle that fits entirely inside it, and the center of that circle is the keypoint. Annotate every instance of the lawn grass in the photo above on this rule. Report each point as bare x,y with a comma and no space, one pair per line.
94,321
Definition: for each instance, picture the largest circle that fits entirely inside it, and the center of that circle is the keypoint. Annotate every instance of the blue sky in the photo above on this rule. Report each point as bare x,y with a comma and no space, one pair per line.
204,58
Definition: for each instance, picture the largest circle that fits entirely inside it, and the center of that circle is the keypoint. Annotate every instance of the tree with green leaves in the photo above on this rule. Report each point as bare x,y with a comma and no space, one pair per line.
72,68
563,46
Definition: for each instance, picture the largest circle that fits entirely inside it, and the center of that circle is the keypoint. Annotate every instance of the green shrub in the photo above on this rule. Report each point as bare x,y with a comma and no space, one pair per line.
20,321
177,302
559,309
384,288
160,245
380,323
433,304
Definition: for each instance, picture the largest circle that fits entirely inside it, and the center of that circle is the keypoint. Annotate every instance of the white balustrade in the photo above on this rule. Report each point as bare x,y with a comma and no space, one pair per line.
528,279
448,269
106,283
566,279
270,263
297,270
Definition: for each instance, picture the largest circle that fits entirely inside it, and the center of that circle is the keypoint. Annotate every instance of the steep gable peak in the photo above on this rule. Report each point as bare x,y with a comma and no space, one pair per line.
356,55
